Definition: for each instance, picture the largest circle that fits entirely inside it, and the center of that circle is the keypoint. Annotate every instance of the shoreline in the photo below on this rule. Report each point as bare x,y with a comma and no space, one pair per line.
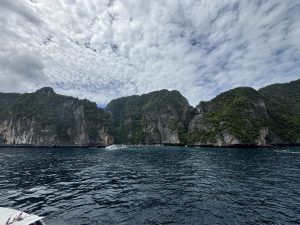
235,145
51,146
155,145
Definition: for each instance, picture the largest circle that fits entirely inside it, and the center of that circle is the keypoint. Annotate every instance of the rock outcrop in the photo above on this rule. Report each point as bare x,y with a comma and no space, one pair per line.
46,118
244,116
238,117
157,117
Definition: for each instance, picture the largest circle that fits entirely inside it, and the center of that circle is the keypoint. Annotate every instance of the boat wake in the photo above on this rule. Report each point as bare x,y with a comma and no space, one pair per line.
287,151
115,147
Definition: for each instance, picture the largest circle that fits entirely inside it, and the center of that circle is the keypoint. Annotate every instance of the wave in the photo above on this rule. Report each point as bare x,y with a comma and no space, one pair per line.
115,147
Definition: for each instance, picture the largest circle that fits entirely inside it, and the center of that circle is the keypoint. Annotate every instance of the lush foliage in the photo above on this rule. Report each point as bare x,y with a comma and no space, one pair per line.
150,118
283,103
237,111
136,119
243,112
56,112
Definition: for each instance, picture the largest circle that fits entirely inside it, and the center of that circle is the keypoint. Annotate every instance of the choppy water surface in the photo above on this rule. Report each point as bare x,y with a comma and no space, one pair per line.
165,185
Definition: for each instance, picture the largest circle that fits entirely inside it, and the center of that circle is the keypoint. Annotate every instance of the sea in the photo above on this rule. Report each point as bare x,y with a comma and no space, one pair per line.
153,185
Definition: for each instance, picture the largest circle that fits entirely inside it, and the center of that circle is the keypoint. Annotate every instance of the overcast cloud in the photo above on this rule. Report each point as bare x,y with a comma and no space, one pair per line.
102,50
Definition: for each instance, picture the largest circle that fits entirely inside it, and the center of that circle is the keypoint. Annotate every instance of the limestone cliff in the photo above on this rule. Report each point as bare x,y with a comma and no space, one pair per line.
241,116
46,118
157,117
244,116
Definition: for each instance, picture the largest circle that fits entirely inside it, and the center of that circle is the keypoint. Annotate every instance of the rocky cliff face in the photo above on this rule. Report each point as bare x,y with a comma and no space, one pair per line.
244,116
283,105
157,117
241,116
234,117
45,118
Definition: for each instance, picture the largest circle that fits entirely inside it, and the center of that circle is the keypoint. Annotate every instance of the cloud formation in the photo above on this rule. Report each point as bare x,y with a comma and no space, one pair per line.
101,50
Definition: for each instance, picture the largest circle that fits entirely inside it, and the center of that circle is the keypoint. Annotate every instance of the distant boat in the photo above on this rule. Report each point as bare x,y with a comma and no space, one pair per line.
114,147
15,217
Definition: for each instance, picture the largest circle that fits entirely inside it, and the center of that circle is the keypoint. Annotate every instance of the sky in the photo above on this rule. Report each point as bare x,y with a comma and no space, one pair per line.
102,50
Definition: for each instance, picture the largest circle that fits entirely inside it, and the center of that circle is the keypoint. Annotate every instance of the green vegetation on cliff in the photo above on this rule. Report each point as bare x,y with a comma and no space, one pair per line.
157,117
239,111
283,103
242,115
246,116
65,117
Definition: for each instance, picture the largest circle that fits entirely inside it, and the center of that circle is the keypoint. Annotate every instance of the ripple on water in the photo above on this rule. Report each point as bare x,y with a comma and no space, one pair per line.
166,185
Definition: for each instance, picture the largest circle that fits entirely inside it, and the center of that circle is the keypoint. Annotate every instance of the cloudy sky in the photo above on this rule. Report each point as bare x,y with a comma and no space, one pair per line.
101,50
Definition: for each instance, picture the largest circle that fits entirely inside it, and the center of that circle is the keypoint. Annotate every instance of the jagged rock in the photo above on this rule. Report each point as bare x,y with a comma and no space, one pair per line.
157,117
244,116
46,118
241,116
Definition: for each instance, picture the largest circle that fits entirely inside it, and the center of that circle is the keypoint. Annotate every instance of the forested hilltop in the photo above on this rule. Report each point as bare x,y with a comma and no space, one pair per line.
241,116
46,118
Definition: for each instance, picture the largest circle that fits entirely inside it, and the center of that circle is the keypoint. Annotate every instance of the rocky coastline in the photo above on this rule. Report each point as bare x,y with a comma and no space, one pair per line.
241,117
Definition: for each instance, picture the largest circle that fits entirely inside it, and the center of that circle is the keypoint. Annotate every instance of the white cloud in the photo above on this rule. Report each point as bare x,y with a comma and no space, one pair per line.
101,50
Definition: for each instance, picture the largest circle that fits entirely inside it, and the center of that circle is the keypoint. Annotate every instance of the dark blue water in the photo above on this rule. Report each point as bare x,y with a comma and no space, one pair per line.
166,185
